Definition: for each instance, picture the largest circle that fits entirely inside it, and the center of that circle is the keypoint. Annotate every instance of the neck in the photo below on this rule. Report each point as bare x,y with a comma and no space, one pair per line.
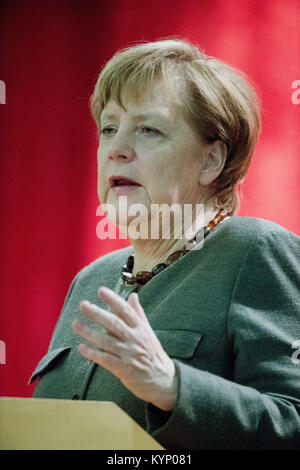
150,251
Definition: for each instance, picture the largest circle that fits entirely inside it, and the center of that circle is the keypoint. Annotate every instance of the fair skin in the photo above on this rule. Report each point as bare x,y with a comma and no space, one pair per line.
172,164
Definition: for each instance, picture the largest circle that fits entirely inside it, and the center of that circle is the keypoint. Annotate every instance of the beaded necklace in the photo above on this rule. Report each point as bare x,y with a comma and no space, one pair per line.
142,277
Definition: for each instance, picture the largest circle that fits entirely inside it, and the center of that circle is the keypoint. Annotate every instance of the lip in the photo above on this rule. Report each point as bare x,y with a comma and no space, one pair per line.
121,177
124,190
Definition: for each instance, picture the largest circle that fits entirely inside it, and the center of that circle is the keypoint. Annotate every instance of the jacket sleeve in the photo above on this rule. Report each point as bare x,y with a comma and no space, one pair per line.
260,407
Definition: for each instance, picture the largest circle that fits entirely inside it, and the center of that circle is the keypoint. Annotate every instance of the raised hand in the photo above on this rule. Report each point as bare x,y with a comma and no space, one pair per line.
129,348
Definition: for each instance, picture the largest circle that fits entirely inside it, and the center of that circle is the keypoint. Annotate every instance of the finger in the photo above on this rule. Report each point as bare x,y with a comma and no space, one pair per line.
110,322
104,359
102,341
118,305
134,301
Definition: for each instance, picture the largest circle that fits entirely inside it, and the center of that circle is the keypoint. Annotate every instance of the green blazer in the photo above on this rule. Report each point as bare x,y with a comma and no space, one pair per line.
229,315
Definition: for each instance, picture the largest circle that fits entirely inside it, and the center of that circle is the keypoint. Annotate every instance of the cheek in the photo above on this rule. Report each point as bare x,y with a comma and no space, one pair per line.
100,177
161,174
162,187
173,182
100,158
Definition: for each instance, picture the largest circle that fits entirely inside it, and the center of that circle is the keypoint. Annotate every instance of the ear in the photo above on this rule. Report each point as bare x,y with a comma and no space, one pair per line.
215,158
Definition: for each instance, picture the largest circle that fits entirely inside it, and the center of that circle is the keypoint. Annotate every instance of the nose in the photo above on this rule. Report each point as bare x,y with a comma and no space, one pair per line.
120,149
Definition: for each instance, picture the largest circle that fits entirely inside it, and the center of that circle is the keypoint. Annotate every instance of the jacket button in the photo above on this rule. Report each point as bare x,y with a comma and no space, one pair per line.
75,397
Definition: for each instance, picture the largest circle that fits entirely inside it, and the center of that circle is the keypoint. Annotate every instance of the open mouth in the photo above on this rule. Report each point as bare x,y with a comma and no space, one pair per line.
116,181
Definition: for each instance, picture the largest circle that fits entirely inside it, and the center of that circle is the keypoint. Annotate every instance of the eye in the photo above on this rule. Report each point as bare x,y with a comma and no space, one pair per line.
107,130
150,130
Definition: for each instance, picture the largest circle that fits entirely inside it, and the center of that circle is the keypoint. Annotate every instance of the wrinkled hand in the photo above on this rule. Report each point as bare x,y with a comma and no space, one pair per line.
129,348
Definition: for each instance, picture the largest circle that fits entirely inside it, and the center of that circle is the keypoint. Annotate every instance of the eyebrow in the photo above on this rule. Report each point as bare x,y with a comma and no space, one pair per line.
135,116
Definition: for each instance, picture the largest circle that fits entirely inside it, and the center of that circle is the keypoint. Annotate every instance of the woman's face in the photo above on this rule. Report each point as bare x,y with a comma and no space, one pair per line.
151,143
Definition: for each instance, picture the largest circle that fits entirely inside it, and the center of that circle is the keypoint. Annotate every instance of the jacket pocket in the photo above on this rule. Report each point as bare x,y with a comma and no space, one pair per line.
179,343
47,362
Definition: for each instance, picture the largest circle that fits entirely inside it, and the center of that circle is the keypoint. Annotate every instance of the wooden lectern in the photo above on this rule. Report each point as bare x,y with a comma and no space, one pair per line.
48,424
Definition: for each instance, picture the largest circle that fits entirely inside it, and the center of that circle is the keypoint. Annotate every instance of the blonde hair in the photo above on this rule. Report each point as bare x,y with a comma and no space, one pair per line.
218,101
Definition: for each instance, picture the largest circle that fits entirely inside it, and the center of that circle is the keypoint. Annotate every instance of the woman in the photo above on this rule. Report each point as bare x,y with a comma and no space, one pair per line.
193,333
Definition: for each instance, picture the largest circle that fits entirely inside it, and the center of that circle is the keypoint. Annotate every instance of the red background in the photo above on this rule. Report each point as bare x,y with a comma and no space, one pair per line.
51,53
